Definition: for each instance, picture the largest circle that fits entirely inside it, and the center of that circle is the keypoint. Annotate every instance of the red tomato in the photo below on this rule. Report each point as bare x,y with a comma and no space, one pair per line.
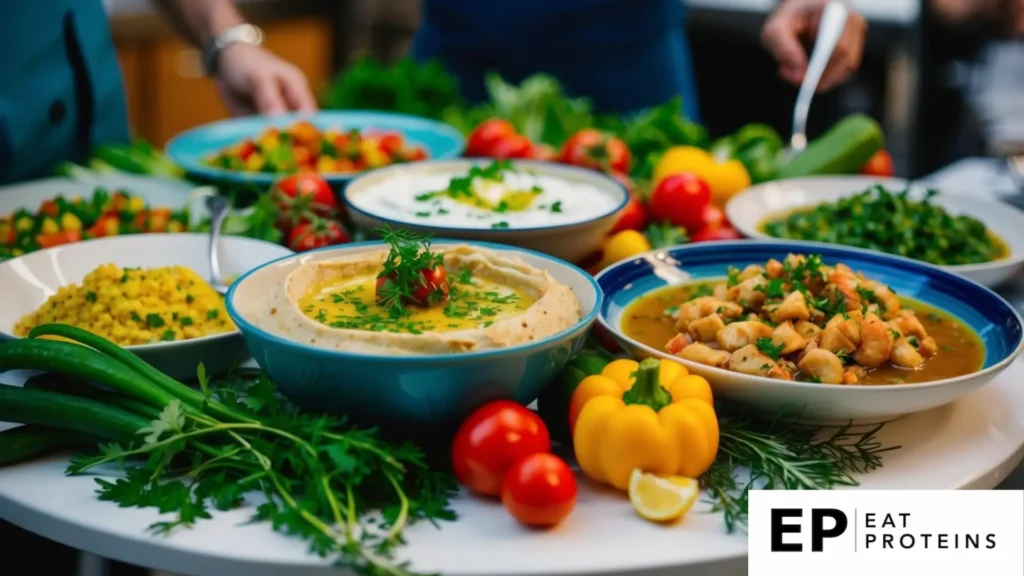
431,291
512,146
58,238
713,216
246,149
316,234
539,490
390,143
634,217
300,195
594,149
879,165
681,200
712,233
486,134
108,225
49,208
491,440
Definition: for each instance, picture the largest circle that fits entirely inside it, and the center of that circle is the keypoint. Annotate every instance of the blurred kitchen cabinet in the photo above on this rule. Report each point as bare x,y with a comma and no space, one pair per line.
166,90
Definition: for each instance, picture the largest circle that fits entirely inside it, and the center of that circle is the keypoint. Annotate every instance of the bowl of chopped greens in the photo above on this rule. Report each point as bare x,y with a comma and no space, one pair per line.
977,238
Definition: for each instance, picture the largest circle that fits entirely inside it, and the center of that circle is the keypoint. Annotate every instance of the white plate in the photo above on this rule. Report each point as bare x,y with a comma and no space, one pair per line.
748,209
29,280
971,444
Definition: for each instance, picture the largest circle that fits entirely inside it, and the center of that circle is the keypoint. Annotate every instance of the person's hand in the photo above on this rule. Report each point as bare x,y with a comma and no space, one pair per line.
251,79
794,25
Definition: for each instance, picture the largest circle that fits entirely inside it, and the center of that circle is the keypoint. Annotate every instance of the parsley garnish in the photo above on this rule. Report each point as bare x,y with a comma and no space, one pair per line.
154,321
769,348
557,206
500,225
90,296
407,259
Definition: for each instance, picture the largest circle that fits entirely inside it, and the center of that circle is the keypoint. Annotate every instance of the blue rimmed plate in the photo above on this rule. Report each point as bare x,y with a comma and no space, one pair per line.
413,389
994,320
192,148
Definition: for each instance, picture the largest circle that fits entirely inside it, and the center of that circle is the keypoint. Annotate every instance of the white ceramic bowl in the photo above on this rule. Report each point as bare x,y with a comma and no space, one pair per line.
750,208
29,280
572,241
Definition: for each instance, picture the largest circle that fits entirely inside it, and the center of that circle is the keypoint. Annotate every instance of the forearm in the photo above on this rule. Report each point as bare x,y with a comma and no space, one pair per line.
200,20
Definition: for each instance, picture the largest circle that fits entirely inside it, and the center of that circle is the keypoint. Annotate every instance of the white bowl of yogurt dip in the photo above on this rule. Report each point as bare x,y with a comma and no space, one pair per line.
561,210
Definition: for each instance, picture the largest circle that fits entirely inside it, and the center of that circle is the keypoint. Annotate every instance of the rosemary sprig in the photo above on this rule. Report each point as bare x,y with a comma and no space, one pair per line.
786,456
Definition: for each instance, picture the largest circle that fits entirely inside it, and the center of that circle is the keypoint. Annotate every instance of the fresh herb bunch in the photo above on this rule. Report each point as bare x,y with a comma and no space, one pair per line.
344,489
405,271
781,455
406,87
895,223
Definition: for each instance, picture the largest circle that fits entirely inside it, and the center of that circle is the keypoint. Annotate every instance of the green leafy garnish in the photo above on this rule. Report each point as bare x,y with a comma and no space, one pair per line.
769,348
408,257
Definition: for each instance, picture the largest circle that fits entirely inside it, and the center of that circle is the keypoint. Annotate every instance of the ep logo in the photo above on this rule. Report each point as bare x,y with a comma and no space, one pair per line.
824,523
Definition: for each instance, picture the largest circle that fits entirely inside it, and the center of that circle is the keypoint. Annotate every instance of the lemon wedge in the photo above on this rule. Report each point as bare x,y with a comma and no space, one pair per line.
662,499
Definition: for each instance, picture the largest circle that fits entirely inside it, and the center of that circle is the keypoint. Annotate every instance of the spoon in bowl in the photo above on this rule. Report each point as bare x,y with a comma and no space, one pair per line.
218,207
830,28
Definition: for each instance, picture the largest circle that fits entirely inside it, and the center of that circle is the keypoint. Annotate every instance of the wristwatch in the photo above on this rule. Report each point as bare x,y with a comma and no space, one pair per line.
244,33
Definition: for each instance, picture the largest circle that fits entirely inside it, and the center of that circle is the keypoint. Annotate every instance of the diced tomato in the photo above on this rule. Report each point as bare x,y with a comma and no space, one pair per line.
415,154
49,208
58,238
303,156
105,226
8,233
305,133
390,143
246,149
154,220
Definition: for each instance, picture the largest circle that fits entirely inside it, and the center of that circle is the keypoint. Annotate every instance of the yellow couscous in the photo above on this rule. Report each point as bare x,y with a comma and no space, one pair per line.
132,306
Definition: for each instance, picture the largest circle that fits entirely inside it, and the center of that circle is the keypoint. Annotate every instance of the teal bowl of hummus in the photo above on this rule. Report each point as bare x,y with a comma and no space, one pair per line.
513,320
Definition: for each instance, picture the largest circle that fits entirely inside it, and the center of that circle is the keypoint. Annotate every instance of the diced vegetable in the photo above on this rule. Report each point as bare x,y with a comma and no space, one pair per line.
844,149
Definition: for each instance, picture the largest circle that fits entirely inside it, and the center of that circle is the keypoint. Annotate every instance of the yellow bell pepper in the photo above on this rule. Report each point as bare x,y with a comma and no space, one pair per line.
622,245
725,179
654,416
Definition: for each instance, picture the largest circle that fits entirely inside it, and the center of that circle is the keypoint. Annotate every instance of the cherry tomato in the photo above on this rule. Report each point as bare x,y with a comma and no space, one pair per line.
539,490
316,233
432,289
491,440
634,217
712,233
713,216
58,238
483,137
681,200
879,165
594,149
512,146
299,196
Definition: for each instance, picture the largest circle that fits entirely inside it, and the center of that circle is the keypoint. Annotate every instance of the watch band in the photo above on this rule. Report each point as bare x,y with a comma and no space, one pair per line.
244,33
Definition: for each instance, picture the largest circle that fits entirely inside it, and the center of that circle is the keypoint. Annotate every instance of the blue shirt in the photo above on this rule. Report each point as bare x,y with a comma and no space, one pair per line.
625,55
61,89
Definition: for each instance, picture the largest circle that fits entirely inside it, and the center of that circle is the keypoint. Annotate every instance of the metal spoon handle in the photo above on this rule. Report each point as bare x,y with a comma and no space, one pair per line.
218,206
830,28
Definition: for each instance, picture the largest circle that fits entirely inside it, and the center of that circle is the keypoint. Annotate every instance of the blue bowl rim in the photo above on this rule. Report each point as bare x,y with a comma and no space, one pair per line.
486,231
334,177
244,326
892,261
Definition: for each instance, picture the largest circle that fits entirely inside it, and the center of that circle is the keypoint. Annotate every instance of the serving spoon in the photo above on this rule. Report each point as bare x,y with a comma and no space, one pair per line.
830,28
218,207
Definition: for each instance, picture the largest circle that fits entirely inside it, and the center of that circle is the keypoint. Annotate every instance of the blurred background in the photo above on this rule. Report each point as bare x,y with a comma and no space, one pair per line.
944,90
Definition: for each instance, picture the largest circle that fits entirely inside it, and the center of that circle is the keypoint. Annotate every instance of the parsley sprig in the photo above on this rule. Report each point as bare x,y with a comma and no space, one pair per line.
408,257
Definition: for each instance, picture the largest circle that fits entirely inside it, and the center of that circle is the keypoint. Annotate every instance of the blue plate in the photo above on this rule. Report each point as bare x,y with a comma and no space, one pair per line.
427,389
191,148
990,316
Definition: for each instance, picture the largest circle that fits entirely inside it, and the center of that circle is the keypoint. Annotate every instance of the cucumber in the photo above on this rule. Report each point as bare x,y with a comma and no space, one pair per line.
844,149
30,441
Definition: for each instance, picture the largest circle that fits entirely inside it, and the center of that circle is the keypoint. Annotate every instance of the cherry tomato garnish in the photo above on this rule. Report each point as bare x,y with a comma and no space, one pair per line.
491,440
431,289
539,490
